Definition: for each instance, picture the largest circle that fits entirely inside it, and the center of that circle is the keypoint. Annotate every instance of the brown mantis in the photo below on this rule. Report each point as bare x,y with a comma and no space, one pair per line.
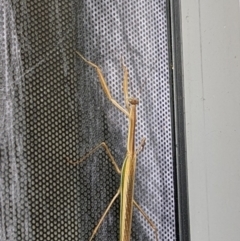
126,189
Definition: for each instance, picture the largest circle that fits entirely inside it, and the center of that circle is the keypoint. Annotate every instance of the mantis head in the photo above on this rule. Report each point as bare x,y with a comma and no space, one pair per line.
133,101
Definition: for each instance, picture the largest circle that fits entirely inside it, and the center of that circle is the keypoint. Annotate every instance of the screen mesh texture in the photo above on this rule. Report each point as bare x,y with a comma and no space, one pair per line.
52,107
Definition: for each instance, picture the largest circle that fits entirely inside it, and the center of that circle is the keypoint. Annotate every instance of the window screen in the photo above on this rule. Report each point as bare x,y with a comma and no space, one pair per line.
52,107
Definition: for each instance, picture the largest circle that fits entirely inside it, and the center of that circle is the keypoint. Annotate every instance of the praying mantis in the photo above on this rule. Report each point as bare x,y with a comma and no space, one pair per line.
127,172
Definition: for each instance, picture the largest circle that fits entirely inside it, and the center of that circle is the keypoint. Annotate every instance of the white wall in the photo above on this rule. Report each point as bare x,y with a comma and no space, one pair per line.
211,55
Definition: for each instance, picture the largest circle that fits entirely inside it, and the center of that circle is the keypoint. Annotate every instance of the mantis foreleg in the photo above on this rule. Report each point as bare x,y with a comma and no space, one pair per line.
125,85
126,190
104,85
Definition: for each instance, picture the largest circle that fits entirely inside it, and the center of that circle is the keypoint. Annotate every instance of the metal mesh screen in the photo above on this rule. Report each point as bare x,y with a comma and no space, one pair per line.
53,107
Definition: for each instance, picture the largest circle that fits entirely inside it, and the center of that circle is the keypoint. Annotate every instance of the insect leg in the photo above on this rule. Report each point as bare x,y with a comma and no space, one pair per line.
125,85
104,85
106,148
147,218
104,215
141,145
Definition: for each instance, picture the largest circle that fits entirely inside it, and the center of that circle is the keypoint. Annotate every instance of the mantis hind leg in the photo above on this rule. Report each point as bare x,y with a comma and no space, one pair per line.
106,148
153,226
104,215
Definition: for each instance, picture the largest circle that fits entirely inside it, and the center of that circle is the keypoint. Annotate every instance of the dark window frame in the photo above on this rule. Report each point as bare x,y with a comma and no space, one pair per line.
178,120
